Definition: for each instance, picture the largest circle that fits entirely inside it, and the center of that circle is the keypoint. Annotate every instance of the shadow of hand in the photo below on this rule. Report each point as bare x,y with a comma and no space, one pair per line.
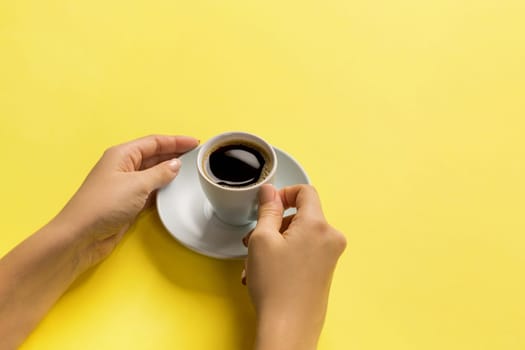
198,273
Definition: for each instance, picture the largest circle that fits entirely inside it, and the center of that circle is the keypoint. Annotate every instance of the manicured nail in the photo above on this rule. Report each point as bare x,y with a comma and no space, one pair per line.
175,164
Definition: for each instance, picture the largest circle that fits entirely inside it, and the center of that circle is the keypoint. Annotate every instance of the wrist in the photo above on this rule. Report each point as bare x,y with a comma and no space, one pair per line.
72,241
280,328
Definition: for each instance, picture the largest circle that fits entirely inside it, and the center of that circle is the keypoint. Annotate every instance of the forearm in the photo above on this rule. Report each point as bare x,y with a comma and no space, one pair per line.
287,331
32,278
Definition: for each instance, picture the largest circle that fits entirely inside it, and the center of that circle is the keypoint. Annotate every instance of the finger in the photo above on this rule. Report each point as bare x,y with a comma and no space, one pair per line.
153,145
284,226
152,161
246,239
151,200
270,210
243,277
302,197
163,144
161,174
244,274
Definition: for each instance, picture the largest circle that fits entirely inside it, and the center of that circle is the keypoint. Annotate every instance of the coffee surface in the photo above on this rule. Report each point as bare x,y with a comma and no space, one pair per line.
236,165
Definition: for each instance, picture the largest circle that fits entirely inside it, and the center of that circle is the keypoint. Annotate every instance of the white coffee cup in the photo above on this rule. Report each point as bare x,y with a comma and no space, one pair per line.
234,205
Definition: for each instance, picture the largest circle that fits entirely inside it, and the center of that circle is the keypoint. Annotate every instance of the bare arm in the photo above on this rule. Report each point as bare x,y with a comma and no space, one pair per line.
40,269
32,277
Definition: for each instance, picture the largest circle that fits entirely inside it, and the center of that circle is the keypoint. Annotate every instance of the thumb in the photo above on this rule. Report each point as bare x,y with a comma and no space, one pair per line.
270,210
161,174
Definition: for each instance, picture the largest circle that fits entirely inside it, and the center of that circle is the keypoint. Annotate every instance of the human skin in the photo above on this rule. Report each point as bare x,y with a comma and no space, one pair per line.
289,268
41,268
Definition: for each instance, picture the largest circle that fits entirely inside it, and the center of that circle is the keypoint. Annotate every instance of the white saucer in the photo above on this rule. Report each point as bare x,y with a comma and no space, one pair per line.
187,215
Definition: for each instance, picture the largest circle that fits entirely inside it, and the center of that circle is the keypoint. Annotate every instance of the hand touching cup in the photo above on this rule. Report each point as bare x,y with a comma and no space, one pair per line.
37,271
118,188
289,267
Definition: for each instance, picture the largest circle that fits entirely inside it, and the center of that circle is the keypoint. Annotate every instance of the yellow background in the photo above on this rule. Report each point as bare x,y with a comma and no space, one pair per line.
408,116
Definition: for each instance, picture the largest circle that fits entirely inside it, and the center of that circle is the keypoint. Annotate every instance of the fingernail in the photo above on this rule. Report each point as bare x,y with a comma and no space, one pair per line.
175,164
267,194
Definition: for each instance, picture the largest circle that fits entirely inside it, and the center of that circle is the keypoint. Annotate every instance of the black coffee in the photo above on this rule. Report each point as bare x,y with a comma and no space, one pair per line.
236,165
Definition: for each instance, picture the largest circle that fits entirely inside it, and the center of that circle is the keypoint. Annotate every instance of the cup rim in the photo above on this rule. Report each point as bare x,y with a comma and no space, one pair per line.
241,135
